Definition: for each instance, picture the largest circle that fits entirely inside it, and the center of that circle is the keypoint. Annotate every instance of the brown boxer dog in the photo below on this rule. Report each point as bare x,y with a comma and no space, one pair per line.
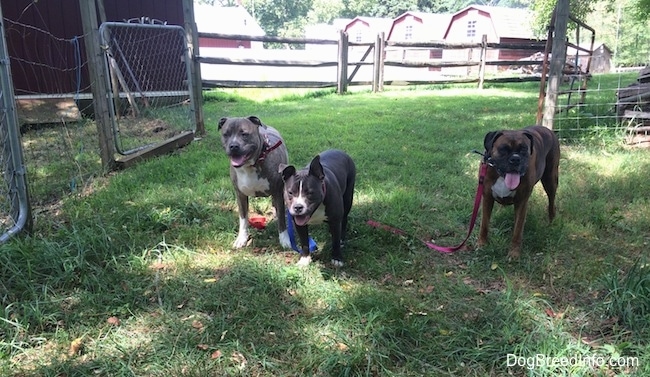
517,160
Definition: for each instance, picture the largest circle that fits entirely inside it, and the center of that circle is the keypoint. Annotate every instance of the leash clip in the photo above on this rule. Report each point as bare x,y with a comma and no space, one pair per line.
486,159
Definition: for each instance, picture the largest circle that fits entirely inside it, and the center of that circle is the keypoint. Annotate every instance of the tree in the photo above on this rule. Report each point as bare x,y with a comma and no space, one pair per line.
623,31
544,9
373,8
640,9
280,17
324,11
620,25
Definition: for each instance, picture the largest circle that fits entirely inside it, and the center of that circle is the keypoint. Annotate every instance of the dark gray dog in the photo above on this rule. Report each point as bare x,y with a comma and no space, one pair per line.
255,151
321,192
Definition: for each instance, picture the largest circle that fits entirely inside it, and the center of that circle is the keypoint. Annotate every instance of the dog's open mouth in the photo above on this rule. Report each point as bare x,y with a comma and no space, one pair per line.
237,161
512,180
301,220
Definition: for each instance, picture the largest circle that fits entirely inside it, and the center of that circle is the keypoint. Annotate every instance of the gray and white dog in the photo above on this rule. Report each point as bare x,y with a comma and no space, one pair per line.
321,192
255,151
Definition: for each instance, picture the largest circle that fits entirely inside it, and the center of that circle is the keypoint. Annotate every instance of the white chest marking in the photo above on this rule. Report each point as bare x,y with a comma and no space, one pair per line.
249,183
499,189
319,216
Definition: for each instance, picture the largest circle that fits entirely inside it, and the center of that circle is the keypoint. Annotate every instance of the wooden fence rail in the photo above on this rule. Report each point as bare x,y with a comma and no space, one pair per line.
378,62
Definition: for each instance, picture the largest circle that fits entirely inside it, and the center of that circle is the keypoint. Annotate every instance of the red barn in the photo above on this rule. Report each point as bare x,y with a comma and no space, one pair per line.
500,24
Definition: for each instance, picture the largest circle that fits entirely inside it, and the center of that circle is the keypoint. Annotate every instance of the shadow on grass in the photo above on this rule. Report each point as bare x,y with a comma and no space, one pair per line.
251,315
397,308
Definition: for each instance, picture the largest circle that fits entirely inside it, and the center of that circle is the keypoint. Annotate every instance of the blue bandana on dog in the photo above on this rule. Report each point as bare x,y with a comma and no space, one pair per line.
292,237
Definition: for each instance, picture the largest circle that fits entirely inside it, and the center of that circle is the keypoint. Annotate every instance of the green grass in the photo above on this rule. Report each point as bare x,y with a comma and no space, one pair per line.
136,276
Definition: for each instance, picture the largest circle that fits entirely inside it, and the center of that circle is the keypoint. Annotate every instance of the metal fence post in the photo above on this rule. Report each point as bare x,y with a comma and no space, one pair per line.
15,172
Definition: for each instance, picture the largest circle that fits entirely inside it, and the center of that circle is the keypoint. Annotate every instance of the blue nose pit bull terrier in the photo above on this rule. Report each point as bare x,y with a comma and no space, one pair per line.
255,151
321,192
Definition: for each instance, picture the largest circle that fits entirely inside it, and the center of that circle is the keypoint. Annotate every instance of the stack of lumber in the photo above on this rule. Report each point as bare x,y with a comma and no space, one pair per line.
633,108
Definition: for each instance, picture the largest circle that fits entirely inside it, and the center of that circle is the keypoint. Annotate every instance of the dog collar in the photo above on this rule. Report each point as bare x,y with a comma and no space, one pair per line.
267,149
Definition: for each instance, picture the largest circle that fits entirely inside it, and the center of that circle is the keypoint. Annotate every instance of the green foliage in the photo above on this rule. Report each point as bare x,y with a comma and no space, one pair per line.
324,11
643,9
279,18
544,10
622,31
628,296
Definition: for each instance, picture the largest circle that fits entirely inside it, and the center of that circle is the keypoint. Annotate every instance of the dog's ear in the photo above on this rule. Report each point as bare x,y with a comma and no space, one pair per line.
256,121
222,121
287,171
532,140
316,169
490,138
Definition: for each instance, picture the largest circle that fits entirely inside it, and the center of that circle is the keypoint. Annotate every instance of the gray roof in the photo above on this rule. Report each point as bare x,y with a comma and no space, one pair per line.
508,22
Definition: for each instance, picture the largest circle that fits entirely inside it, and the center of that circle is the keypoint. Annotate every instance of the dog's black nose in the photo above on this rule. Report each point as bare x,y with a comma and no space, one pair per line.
298,208
515,159
234,147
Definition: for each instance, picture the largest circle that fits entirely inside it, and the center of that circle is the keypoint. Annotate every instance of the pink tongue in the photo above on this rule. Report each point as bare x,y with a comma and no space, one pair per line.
512,180
237,161
301,220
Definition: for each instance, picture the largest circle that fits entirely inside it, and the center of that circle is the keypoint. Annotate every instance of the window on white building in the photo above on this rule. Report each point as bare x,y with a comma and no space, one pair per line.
408,32
471,29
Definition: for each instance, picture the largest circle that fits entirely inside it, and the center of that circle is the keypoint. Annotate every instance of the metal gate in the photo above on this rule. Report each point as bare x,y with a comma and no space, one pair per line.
15,209
149,81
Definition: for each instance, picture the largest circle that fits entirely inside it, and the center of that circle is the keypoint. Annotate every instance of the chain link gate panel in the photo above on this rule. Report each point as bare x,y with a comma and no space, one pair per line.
148,71
15,209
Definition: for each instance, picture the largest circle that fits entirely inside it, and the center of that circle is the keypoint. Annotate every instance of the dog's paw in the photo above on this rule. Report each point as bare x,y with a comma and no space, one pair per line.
241,241
337,263
304,261
514,254
285,241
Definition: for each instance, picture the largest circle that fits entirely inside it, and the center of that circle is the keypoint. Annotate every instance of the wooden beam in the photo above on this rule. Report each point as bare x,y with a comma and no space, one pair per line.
636,115
558,59
266,62
155,150
98,83
264,38
342,63
192,38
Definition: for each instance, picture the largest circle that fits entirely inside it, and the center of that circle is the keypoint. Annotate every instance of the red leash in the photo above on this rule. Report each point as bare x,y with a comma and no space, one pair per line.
472,222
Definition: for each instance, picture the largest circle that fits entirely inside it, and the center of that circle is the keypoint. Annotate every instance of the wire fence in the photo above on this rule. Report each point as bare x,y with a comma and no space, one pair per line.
54,112
149,81
15,210
601,109
149,91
